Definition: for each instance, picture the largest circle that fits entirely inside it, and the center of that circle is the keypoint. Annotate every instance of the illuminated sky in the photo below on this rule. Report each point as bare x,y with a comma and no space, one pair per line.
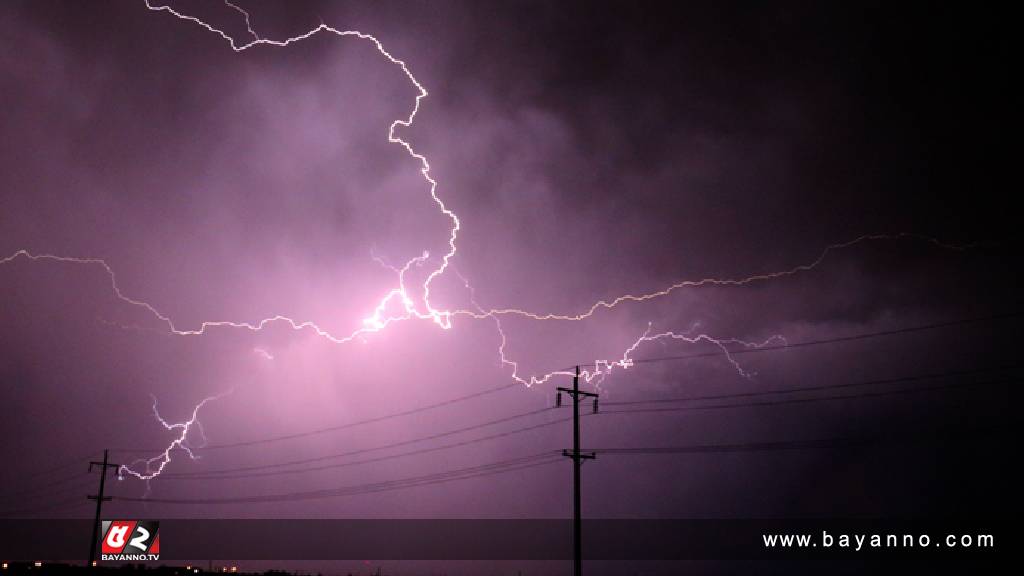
589,151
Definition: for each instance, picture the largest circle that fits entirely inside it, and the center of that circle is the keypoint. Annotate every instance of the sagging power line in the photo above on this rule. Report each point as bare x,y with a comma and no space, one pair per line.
818,387
398,444
466,397
835,340
531,461
271,469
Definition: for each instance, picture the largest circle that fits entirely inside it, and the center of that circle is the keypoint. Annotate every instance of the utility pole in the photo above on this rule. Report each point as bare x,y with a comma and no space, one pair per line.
577,462
100,499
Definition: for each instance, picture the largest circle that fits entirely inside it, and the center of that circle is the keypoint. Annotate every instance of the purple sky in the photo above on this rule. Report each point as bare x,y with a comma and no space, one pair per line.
589,151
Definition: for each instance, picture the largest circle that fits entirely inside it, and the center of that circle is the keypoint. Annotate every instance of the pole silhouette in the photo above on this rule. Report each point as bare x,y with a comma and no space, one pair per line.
100,499
577,463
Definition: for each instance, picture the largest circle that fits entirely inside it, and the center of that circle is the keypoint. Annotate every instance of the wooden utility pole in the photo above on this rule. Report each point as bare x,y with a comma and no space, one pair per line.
577,462
100,499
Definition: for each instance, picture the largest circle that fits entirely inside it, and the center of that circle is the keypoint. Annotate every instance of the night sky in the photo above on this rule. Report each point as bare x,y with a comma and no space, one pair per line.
589,150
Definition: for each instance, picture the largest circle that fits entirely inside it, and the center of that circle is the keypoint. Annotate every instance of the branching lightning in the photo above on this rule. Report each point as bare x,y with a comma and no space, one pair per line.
152,467
400,303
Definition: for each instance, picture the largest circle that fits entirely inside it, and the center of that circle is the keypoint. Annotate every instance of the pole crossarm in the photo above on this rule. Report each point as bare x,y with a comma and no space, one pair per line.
581,455
574,393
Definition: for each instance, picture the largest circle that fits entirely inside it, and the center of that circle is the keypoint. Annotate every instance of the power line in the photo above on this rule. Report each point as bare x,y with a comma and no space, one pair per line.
740,447
50,492
824,443
253,471
525,462
796,389
497,467
539,459
335,428
450,401
545,458
815,399
40,487
236,472
63,505
80,461
807,343
383,446
213,476
376,419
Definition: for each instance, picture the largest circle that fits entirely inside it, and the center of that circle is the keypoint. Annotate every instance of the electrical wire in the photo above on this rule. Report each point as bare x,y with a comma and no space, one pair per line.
255,471
450,401
498,467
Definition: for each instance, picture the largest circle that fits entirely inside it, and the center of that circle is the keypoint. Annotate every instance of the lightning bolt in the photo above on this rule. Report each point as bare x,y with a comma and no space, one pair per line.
421,308
379,319
152,467
245,14
734,282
